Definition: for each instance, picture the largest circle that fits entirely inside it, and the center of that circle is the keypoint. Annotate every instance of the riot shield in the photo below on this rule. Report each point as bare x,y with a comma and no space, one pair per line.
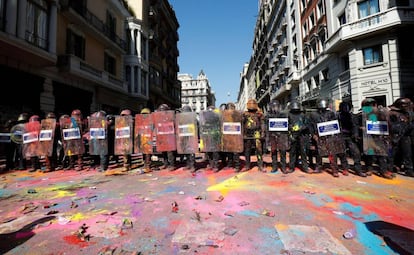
232,135
164,131
16,133
98,141
31,139
277,132
46,137
187,132
210,131
375,138
124,134
330,141
71,136
144,126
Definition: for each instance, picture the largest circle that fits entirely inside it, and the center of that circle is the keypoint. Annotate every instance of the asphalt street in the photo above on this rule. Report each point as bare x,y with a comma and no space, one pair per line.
179,212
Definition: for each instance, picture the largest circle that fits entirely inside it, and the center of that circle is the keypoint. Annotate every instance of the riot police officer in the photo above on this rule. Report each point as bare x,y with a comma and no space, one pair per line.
374,126
19,127
349,130
168,149
210,136
187,136
277,135
298,129
328,138
253,134
400,128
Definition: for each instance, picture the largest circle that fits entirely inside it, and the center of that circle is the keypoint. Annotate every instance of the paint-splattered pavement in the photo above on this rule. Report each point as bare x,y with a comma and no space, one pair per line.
163,212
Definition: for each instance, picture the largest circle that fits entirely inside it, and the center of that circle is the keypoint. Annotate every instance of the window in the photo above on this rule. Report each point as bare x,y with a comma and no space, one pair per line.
342,19
311,20
75,44
2,14
368,7
372,55
110,64
321,9
402,3
37,23
143,48
111,24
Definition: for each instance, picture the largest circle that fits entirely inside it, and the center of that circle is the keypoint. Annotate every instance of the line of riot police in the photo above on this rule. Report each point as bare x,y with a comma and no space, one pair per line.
376,138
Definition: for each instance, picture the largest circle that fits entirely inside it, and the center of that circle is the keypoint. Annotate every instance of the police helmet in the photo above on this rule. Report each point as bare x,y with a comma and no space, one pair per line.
126,112
368,102
295,107
231,106
76,112
34,118
186,108
100,114
322,104
145,111
163,107
211,108
252,105
274,105
345,106
50,115
403,103
23,117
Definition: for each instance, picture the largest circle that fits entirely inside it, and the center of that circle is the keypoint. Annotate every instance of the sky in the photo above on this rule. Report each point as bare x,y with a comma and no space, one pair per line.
216,36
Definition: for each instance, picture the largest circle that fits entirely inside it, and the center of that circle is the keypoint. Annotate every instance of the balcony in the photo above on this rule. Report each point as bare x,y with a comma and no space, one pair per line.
75,66
82,17
377,23
283,90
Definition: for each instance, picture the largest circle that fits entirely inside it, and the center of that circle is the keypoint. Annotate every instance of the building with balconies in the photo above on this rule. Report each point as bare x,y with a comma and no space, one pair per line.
196,93
163,55
341,51
92,55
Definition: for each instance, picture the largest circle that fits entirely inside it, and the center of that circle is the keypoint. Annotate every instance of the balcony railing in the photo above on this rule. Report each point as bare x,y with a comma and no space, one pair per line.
74,65
382,20
95,22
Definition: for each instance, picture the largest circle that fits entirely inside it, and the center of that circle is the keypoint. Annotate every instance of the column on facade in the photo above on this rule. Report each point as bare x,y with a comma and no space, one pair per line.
138,39
52,27
11,17
132,44
21,21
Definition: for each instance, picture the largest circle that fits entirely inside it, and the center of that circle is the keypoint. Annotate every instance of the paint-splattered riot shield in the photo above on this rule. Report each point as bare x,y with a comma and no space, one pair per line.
232,133
210,131
31,139
277,128
71,136
375,138
187,132
16,133
164,122
330,141
46,137
98,136
144,126
124,134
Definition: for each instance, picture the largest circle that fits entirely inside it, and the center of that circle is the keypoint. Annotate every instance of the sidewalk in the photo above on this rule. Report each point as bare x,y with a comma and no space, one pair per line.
177,212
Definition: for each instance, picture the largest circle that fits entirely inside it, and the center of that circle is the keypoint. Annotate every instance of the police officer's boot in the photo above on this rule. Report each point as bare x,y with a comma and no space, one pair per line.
274,163
261,166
